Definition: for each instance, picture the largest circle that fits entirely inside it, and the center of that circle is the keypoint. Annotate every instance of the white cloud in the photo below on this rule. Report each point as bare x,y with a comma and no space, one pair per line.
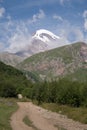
19,39
2,11
8,17
41,14
85,24
57,17
16,33
85,14
69,33
1,46
63,1
79,34
37,16
18,42
85,19
20,36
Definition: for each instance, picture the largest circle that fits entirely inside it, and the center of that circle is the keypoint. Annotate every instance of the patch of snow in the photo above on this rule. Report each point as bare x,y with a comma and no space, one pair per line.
45,38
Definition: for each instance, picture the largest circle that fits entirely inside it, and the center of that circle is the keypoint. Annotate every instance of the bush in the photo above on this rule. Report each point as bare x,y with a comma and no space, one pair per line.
8,90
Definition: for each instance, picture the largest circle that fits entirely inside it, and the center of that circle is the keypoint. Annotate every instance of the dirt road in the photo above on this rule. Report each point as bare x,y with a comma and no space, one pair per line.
42,119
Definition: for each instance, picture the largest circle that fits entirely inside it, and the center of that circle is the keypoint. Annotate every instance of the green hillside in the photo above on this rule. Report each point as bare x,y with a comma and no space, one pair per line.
65,52
57,62
80,75
12,81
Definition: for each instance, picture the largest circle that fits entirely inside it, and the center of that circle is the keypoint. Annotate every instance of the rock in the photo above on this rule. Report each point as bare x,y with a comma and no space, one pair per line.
20,96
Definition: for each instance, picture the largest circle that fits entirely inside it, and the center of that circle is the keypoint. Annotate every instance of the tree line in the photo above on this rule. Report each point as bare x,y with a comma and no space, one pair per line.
63,91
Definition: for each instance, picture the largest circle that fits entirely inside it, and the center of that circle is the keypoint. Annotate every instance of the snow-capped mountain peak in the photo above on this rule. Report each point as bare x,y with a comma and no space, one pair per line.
41,41
45,35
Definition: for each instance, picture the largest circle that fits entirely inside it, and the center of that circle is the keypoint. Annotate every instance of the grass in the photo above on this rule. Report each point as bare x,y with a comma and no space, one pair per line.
28,122
7,107
77,114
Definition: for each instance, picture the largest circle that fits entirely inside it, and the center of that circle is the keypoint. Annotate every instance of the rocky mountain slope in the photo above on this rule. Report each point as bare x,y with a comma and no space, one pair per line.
10,59
57,62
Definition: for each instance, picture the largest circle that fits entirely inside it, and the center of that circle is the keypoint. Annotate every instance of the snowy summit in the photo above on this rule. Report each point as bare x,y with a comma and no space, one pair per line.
45,35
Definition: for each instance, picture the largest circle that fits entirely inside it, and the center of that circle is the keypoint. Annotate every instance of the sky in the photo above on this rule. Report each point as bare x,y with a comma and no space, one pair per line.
19,20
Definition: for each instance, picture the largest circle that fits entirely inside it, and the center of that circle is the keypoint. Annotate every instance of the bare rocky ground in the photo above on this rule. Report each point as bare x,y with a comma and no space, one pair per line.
42,119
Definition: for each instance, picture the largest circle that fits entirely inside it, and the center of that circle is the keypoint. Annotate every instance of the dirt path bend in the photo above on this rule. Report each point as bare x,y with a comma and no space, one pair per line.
42,119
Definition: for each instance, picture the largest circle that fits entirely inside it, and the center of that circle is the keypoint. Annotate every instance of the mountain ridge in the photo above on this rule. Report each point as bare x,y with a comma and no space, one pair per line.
57,62
10,58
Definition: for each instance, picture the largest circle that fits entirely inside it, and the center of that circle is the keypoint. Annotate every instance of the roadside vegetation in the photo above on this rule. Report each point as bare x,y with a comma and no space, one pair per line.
63,91
7,107
77,114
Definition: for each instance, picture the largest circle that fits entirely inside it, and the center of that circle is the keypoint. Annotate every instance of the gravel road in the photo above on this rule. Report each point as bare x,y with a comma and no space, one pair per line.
42,119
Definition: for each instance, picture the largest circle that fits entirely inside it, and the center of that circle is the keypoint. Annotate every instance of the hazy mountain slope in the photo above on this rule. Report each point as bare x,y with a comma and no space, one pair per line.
10,59
57,62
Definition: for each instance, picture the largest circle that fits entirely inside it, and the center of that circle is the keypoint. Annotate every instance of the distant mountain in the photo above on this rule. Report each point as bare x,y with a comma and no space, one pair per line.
57,62
10,59
41,41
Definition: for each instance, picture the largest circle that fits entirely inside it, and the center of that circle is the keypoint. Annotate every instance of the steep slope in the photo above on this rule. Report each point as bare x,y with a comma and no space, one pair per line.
12,81
10,59
57,62
41,41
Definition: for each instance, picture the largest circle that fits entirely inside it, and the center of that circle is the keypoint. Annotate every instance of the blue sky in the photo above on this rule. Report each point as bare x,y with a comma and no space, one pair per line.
19,19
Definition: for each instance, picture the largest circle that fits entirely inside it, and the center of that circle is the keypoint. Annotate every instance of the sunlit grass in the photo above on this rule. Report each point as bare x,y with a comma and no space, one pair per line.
7,107
77,114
